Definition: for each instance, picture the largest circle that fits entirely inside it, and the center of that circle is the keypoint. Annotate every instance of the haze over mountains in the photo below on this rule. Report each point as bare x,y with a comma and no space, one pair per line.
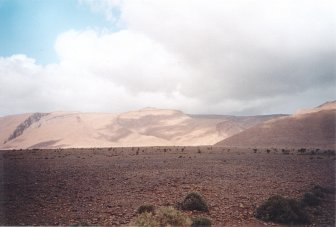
160,127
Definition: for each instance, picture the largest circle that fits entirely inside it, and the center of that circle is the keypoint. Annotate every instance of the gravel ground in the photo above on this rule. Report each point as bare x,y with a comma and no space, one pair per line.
106,186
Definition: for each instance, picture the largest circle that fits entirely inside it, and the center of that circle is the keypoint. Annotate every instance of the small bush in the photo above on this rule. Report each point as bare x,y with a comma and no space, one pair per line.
170,216
165,216
281,210
311,199
194,201
146,208
145,219
201,222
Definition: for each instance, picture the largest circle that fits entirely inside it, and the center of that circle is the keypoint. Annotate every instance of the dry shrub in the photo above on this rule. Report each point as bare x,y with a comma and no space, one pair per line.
164,216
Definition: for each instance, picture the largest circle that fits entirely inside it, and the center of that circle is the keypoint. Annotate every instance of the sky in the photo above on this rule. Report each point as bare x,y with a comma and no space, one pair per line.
241,57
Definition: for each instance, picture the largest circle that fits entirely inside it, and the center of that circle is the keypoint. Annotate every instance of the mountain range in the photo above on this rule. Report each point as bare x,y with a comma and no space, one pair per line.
163,127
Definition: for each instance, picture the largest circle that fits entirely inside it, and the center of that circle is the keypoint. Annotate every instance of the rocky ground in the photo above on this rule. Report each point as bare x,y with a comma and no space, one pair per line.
106,186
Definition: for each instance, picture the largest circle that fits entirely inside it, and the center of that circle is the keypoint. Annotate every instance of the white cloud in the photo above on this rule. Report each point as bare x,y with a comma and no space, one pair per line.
97,71
125,58
205,57
243,44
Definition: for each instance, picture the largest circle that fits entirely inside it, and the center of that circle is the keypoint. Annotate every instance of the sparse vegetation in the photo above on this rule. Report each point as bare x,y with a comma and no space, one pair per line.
284,151
177,179
164,216
194,201
302,150
329,152
282,210
146,208
201,222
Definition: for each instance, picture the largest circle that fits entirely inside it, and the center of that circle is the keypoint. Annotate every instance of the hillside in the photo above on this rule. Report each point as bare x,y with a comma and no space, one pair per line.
305,128
145,127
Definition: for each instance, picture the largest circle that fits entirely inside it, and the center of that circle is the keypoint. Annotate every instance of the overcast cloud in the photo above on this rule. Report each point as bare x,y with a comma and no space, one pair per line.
224,57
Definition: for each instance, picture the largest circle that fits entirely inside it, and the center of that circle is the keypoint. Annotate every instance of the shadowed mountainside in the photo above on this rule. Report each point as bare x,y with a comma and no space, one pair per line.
305,128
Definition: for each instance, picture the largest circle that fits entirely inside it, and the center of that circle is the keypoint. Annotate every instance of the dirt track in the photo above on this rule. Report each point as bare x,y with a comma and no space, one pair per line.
106,186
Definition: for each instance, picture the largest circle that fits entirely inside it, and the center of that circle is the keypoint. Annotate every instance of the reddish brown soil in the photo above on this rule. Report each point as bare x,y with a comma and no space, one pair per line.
106,186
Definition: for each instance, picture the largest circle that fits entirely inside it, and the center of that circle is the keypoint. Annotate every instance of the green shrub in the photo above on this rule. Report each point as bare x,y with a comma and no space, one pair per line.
311,199
201,222
281,210
165,216
146,208
194,201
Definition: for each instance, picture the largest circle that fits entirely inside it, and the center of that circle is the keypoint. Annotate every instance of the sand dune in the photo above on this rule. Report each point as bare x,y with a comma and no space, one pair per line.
305,128
145,127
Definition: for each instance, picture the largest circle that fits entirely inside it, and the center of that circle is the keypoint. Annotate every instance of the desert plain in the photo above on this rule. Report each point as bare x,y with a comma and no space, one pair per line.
105,186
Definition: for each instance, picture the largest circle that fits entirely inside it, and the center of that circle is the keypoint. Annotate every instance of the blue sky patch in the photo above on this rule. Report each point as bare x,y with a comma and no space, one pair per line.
31,27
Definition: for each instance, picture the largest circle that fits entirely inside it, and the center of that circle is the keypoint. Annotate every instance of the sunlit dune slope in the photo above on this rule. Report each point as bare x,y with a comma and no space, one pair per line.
145,127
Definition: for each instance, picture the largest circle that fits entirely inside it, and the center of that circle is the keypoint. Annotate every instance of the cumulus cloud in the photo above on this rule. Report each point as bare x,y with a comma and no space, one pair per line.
126,58
241,57
243,44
